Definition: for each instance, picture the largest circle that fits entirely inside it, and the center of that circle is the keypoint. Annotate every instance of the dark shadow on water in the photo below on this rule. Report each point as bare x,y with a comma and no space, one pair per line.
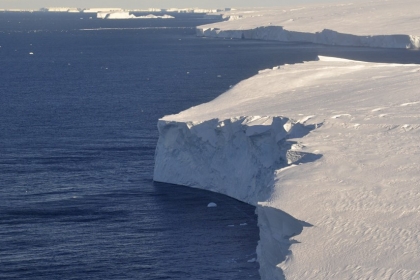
225,236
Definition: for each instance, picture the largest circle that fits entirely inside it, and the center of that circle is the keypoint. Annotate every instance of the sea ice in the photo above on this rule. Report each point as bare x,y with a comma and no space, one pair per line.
212,204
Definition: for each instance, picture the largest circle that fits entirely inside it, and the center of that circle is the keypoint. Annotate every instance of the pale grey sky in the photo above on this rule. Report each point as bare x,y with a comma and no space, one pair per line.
35,4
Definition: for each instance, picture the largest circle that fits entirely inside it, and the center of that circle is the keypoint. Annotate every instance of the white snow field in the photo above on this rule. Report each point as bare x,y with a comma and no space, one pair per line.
377,23
339,149
328,151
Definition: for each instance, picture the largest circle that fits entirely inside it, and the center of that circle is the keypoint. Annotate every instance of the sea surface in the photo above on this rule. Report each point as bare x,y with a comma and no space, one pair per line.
79,103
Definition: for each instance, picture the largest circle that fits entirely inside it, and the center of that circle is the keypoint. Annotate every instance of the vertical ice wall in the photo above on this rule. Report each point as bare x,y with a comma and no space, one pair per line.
237,157
325,37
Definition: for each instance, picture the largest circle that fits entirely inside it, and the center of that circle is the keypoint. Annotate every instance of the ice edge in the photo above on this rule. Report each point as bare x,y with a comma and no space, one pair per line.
197,154
324,37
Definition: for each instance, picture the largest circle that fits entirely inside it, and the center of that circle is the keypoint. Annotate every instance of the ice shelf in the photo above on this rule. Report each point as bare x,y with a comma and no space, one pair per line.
327,150
377,23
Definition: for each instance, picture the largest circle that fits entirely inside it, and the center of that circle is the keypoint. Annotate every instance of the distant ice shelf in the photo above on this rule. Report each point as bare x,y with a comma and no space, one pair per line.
378,23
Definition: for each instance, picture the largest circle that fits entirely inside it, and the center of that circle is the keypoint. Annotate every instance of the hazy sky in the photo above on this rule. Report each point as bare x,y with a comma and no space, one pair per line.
35,4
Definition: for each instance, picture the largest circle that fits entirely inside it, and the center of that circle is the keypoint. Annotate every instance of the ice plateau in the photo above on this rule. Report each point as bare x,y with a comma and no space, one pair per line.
332,143
328,152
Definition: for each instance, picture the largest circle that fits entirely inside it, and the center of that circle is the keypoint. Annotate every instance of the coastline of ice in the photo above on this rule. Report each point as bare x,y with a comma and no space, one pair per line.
378,23
332,168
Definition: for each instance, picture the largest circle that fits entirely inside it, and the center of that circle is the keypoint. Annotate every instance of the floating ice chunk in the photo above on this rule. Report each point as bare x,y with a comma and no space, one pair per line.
212,204
31,53
252,260
243,224
231,225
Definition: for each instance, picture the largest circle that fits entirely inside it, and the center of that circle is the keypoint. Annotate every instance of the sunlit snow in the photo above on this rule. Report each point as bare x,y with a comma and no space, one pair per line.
377,23
327,150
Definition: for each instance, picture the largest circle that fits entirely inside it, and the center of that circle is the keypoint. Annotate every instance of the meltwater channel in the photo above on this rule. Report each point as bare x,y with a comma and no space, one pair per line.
79,103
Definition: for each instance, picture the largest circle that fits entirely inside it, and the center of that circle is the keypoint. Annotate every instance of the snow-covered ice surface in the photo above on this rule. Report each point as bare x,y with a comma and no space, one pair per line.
377,23
328,150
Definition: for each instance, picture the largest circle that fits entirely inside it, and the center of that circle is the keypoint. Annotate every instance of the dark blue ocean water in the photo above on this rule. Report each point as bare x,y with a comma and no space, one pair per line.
79,103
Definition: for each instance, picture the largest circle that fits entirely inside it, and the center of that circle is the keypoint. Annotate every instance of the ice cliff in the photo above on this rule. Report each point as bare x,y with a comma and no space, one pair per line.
325,37
237,156
385,24
327,151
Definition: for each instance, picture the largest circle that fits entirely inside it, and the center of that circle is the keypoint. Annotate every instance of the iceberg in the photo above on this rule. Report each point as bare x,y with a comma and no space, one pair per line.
326,151
127,15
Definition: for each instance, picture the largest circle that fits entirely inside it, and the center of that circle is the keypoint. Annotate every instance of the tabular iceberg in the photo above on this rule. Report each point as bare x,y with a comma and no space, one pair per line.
127,15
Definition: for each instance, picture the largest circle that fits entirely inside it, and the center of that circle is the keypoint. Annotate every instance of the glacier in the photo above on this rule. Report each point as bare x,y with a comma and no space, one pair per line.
326,150
328,153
